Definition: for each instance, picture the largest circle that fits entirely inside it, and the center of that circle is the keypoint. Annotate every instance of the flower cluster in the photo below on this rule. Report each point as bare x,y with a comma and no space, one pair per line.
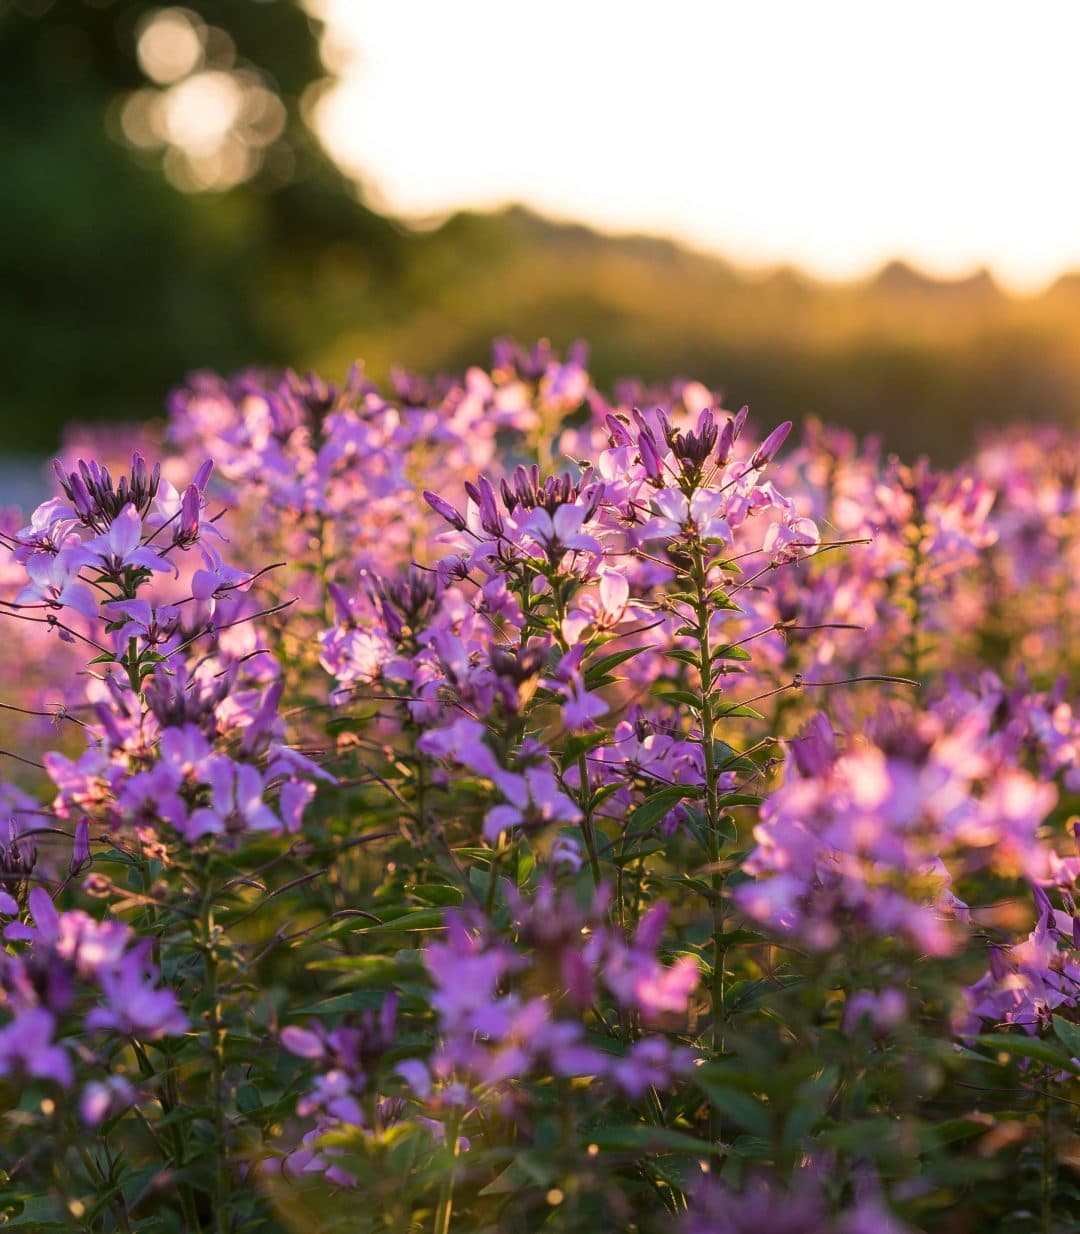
856,836
586,792
68,974
203,758
802,1209
490,1035
1030,981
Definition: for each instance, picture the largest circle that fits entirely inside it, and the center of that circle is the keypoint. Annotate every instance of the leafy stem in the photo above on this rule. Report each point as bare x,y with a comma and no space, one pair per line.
707,719
208,940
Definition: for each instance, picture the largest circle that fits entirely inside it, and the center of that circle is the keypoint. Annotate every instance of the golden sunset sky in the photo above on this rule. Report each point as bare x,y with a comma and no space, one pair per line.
834,134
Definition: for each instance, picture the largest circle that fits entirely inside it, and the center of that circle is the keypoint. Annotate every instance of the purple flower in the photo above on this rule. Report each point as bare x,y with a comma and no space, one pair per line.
27,1046
640,982
560,532
54,580
187,531
702,515
651,1062
536,799
152,625
215,577
120,548
134,1005
49,529
236,799
104,1099
302,1042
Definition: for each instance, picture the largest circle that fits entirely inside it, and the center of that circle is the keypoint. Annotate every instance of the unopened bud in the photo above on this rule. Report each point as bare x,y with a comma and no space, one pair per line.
80,852
768,448
445,510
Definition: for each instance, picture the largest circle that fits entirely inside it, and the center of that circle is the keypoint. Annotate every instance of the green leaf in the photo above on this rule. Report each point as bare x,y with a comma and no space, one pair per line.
718,597
1068,1034
438,895
810,1106
420,919
740,799
742,938
654,809
689,632
40,1213
604,792
729,652
1021,1046
951,1130
741,1108
605,664
739,711
646,1138
338,1004
638,852
684,697
526,864
579,745
683,655
396,921
369,970
528,1169
348,724
727,758
683,597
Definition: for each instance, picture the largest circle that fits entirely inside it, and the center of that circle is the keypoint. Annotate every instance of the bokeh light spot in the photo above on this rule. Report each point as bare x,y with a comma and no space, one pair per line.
170,44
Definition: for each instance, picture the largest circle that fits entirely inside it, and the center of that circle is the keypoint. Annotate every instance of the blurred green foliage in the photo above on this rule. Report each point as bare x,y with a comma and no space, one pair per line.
115,283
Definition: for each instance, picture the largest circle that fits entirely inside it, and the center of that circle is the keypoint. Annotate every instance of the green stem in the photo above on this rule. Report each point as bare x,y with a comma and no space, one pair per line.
1047,1197
584,791
446,1193
707,718
170,1100
132,665
101,1181
712,778
493,879
217,1065
586,819
914,647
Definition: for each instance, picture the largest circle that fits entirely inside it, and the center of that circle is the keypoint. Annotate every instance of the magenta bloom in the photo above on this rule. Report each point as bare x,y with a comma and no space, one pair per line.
54,580
27,1046
134,1005
121,548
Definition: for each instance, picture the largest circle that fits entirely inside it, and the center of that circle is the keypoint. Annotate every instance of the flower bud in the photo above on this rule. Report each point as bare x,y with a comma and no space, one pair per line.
445,510
768,448
80,852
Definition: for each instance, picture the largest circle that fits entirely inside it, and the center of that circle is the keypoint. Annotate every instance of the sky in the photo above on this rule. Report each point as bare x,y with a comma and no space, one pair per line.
831,134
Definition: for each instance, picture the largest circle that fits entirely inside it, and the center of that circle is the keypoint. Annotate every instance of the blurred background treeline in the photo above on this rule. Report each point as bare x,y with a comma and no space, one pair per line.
167,207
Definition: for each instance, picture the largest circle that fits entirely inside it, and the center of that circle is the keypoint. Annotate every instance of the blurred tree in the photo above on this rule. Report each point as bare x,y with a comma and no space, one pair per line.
117,278
167,207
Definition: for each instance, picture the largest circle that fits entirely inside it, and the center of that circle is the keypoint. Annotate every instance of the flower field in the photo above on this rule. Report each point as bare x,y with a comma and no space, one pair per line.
492,804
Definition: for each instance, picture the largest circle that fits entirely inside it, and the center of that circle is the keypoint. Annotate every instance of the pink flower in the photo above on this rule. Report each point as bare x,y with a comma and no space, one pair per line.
134,1005
560,532
54,580
120,548
701,515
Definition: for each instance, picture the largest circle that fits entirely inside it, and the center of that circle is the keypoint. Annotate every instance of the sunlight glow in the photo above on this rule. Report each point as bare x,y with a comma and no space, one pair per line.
212,117
834,135
170,44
